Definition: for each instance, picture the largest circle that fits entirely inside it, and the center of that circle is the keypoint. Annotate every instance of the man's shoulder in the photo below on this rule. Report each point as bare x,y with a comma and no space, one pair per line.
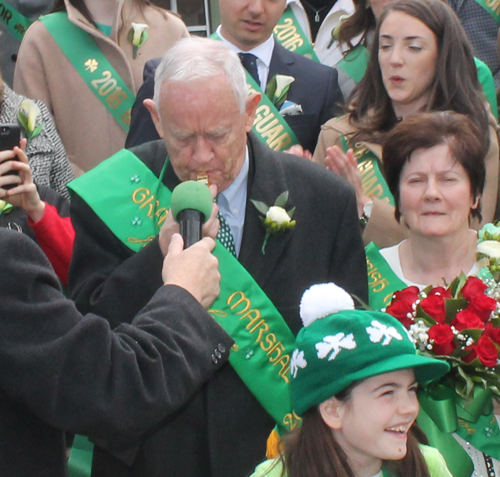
152,153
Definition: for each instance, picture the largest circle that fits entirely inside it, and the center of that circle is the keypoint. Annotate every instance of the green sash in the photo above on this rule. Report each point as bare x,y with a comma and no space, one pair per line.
263,341
269,125
382,281
80,459
16,23
88,60
492,7
355,62
290,35
373,181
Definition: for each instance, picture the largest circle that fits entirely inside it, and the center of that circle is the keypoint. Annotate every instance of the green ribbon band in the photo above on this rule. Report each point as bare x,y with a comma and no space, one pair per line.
492,7
269,125
263,340
373,181
80,459
15,22
354,63
382,281
291,36
95,69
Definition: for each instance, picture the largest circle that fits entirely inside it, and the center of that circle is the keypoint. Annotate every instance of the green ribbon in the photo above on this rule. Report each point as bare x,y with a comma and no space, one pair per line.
382,281
492,7
93,66
264,342
291,36
269,125
355,62
15,22
372,179
80,460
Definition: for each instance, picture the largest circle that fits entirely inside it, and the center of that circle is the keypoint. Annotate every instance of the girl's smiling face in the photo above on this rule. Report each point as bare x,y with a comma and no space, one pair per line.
372,425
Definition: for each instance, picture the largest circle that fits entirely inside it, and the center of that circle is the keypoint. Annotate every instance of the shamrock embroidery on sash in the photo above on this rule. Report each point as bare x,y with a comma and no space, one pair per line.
298,361
377,331
334,345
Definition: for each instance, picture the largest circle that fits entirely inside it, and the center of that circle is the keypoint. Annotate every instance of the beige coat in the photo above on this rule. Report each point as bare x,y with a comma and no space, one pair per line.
382,228
88,131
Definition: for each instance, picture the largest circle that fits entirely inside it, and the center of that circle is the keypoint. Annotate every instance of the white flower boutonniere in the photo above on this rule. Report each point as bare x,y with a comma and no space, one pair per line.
277,89
276,219
27,116
137,36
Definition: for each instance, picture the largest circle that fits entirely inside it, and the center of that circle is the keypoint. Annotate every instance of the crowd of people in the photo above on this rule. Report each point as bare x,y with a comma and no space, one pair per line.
351,153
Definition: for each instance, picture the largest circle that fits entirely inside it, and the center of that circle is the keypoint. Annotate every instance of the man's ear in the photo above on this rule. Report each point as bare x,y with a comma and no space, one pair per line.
151,107
332,412
250,109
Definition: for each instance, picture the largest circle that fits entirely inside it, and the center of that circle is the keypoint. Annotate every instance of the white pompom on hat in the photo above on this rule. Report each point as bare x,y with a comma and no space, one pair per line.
322,300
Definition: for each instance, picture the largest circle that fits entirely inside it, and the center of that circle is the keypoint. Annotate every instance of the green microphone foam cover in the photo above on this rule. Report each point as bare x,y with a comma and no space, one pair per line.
192,195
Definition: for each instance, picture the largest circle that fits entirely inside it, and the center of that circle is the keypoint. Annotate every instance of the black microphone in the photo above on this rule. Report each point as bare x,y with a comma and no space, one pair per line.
191,205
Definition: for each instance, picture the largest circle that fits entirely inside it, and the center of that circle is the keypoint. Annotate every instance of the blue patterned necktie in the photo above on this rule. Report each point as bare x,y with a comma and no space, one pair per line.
249,62
225,236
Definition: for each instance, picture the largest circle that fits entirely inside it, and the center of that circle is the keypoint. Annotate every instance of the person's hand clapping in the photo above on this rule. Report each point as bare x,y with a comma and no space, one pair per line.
194,269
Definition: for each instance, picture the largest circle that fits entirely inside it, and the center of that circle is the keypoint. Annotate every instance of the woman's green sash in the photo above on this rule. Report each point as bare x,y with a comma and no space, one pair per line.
355,62
88,60
269,125
382,281
373,181
492,7
134,203
15,22
291,36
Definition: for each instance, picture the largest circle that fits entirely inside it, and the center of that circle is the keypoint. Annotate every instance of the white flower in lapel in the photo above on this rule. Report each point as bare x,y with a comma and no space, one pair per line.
277,89
137,36
276,219
27,117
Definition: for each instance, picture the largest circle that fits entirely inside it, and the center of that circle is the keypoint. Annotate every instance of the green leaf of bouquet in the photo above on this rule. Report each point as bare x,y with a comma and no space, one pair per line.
469,387
130,36
291,212
260,206
36,131
457,284
474,333
453,306
23,121
281,200
144,37
271,88
427,319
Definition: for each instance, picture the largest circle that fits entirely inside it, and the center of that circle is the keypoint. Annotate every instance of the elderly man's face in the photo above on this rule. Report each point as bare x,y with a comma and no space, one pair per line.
249,23
204,130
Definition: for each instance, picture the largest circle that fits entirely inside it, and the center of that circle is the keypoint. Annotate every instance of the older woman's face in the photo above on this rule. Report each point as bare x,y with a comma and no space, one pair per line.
435,193
407,56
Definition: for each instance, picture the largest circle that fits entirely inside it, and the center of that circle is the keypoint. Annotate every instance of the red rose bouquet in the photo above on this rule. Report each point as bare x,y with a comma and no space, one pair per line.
459,324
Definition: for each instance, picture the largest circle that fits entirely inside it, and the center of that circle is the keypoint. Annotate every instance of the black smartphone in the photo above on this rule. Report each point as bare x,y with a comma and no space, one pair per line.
10,135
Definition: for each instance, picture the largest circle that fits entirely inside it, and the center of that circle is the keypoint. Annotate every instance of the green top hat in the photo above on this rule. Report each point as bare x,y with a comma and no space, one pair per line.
339,346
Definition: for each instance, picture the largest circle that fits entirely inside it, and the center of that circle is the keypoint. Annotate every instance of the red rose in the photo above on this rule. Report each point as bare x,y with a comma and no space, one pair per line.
486,351
492,332
400,310
440,291
472,287
467,320
482,306
409,295
442,334
434,307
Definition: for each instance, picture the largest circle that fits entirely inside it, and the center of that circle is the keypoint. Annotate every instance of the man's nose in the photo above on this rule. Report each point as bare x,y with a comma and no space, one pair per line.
202,151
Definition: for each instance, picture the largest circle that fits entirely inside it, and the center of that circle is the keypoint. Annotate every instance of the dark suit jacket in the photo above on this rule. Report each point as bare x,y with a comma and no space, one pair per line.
315,88
222,431
60,371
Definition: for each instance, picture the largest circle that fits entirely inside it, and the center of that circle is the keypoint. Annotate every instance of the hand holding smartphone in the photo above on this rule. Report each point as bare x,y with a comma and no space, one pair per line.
10,136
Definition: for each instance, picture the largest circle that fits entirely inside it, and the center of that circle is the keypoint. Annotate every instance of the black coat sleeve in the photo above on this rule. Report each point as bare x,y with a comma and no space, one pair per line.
78,375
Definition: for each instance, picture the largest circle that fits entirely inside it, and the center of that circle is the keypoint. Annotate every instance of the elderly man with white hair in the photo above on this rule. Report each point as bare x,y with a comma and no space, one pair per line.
204,113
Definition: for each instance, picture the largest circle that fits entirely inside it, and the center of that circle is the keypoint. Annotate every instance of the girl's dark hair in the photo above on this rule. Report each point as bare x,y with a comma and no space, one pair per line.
359,23
455,86
312,451
426,130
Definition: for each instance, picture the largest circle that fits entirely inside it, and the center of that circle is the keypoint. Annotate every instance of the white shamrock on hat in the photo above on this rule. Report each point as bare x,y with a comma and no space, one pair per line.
377,331
298,361
335,344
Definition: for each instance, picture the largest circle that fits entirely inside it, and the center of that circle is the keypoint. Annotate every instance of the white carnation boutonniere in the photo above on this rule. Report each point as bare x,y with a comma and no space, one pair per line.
137,36
276,218
277,89
27,118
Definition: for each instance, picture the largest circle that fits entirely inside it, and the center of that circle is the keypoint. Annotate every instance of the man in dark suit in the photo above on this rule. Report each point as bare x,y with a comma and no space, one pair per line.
203,111
247,27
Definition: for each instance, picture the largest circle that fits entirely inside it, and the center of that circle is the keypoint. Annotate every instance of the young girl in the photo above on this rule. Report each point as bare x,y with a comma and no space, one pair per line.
354,378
